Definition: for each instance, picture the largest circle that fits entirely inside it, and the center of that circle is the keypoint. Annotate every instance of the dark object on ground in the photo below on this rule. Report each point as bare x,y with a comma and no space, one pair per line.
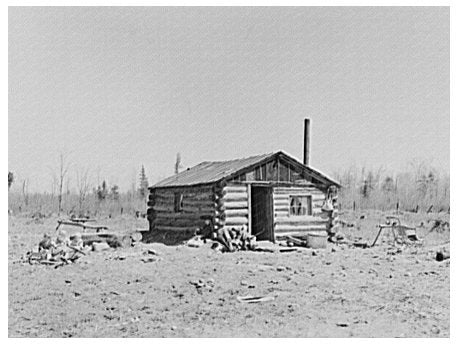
440,255
296,241
113,239
439,226
361,244
254,299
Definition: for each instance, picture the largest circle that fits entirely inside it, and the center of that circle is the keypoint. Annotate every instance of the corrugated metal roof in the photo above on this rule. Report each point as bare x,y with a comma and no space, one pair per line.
213,171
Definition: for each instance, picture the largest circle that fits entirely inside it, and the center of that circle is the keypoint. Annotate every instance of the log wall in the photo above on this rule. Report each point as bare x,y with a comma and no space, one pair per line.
286,223
197,202
233,205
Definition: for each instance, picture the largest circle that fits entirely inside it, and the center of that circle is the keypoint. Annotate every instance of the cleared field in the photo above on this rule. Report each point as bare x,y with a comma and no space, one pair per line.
341,291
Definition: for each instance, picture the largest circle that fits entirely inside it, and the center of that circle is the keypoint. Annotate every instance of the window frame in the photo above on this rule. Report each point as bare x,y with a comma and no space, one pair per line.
178,202
307,205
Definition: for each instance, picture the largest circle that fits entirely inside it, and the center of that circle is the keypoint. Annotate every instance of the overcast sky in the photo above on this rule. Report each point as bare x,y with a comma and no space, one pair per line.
115,88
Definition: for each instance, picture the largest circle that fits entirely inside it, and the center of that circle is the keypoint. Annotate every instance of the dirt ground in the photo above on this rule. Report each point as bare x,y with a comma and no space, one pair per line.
340,291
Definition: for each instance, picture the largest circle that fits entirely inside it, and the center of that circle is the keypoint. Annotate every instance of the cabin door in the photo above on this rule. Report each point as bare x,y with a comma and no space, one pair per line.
262,212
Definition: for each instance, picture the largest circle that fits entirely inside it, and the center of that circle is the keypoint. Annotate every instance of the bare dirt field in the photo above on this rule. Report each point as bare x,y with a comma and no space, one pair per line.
340,291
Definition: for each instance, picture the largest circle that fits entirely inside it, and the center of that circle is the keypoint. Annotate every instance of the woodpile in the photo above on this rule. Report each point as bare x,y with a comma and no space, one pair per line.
227,240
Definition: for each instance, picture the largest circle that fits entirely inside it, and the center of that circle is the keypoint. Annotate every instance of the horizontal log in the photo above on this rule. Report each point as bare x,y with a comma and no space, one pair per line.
297,224
185,203
189,216
229,227
281,210
281,214
235,205
162,208
280,204
236,212
235,196
186,210
234,189
194,203
179,222
280,197
191,197
236,221
184,189
175,228
300,219
287,228
296,189
163,204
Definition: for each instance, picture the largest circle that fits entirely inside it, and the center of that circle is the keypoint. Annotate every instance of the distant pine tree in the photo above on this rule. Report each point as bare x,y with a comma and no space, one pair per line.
10,179
143,187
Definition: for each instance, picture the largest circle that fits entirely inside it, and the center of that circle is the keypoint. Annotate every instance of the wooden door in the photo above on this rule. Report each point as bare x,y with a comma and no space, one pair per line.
262,212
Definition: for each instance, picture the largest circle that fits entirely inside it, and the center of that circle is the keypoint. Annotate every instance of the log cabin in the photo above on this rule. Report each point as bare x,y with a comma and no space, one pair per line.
271,194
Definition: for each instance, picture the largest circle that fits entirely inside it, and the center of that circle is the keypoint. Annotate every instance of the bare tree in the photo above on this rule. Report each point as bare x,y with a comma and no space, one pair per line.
63,170
82,183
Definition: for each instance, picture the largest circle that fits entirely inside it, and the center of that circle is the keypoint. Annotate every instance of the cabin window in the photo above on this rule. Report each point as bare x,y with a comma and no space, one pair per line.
178,202
300,205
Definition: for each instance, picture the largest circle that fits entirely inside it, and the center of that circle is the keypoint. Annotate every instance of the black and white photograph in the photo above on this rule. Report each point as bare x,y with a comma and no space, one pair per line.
228,171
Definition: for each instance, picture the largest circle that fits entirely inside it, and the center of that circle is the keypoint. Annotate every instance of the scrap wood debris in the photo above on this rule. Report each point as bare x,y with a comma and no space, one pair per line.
61,251
65,249
439,226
